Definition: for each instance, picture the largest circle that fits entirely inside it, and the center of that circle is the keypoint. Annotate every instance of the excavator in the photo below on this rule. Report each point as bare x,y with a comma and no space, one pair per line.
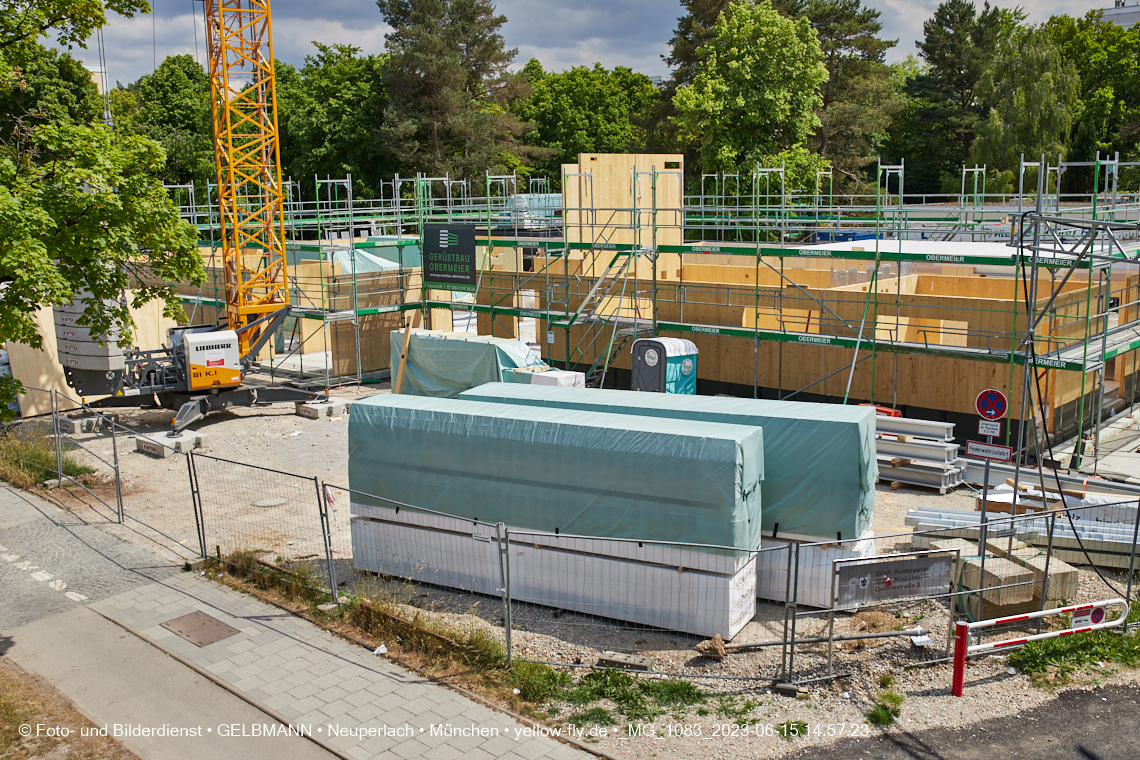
202,368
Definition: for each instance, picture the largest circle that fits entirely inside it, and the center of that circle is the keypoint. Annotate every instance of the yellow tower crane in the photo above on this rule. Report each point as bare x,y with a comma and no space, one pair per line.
243,91
203,367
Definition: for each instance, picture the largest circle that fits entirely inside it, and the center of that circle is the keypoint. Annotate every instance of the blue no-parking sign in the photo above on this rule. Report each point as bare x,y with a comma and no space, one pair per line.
991,404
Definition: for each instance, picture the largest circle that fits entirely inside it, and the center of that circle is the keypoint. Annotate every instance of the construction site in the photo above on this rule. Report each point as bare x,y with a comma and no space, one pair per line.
627,449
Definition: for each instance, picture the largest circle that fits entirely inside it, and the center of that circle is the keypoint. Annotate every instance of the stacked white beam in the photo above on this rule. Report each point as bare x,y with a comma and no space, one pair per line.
931,456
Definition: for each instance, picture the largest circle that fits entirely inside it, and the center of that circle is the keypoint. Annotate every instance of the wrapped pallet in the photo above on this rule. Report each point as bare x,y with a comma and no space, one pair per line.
819,459
596,501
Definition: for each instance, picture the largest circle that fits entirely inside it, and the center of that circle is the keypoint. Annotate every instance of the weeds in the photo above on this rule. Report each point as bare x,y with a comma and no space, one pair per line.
27,457
728,707
538,683
888,708
886,680
596,715
1054,661
792,729
635,699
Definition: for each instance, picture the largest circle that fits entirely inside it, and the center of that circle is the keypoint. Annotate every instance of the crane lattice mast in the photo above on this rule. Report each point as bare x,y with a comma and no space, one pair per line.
250,194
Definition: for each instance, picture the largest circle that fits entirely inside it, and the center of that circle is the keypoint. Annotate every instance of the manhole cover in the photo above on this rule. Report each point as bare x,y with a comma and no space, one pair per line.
270,502
200,629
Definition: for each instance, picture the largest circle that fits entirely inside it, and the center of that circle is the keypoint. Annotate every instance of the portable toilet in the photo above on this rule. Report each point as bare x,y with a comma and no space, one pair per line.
665,365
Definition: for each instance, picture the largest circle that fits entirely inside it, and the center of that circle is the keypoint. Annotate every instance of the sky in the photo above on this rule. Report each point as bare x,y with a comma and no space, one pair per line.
633,33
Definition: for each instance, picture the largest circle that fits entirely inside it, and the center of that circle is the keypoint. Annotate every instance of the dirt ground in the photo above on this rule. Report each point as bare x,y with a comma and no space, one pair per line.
30,708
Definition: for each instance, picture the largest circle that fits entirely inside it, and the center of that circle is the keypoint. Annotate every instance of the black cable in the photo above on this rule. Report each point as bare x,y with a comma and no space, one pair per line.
1032,359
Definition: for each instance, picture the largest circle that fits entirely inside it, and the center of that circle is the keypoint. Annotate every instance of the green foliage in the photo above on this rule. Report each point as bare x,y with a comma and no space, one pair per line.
738,712
936,125
69,22
172,107
49,86
1031,93
448,83
674,692
879,716
1065,656
329,113
859,97
887,707
756,90
792,729
886,679
27,457
537,683
584,110
80,208
598,716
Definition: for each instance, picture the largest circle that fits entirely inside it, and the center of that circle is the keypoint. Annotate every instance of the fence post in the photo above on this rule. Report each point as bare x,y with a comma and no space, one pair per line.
1131,566
962,635
326,534
1049,556
55,427
787,607
118,473
196,502
504,543
795,600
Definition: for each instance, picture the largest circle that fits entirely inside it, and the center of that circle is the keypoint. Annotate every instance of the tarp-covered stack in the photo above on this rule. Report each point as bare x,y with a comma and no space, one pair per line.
819,460
554,472
444,364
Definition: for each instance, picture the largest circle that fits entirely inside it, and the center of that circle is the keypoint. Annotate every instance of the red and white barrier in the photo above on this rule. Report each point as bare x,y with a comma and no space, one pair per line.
1086,617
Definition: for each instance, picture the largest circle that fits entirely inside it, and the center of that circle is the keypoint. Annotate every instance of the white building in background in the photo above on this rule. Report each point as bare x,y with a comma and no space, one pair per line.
98,76
1125,13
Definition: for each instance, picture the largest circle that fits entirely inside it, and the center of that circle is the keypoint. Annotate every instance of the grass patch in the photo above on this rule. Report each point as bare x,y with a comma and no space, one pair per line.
27,457
634,698
886,680
1054,662
880,717
538,683
888,708
738,712
792,729
598,716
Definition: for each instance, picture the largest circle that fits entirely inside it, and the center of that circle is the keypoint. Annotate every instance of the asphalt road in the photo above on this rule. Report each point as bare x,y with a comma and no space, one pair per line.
1082,725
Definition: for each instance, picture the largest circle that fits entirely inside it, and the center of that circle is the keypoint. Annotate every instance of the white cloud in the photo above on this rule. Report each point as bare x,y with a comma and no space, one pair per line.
633,33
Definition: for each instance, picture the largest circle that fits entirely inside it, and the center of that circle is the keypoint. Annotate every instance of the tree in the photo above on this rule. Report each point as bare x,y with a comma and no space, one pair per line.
584,110
80,207
1030,92
172,107
448,84
858,98
329,113
1106,117
757,91
52,86
957,48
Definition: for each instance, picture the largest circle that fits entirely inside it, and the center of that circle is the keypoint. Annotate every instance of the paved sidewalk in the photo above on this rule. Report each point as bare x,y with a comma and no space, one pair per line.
311,677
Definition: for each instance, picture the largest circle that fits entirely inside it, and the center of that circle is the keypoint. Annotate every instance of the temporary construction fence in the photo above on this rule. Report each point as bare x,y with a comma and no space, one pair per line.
792,610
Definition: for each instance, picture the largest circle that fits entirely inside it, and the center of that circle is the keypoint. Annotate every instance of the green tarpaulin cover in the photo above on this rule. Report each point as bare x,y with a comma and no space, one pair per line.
819,459
574,472
441,366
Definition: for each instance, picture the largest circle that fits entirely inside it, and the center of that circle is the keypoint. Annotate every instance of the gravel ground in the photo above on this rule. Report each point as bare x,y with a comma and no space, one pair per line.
743,713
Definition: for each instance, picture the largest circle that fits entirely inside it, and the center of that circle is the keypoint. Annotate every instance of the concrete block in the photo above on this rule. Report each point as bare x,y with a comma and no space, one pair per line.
315,410
627,661
1064,580
999,572
162,446
965,548
76,425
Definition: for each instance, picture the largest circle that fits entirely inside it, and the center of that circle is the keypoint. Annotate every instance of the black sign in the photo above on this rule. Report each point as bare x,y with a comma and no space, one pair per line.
449,257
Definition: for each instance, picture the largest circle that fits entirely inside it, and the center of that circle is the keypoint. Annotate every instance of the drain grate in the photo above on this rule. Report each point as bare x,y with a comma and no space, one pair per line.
200,629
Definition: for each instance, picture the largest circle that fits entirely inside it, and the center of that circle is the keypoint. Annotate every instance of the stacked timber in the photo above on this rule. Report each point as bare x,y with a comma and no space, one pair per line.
918,453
